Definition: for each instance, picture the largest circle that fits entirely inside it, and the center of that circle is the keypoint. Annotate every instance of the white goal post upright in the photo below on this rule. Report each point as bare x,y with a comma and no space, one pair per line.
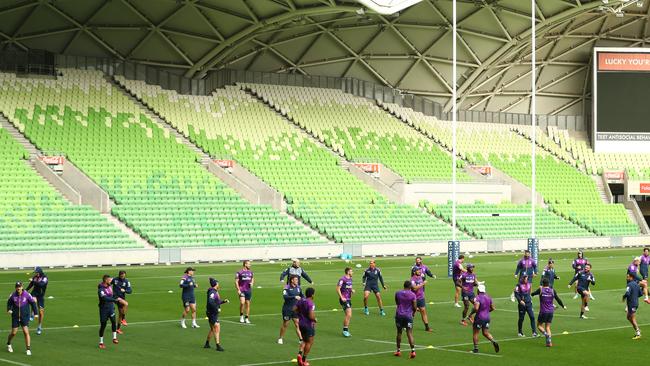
454,121
533,106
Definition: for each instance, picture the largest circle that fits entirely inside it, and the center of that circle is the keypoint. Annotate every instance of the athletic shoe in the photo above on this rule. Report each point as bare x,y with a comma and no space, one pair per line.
124,323
28,352
305,363
496,347
247,321
463,323
183,324
115,341
299,360
586,308
412,354
583,317
219,348
194,325
457,305
241,319
280,341
575,296
474,350
397,354
520,335
647,301
10,349
429,330
39,331
346,334
119,331
592,297
535,335
382,313
636,336
206,345
512,297
101,346
366,311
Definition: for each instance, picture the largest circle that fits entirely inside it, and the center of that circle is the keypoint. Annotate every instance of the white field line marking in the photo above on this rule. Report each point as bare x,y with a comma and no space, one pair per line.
555,314
437,348
13,362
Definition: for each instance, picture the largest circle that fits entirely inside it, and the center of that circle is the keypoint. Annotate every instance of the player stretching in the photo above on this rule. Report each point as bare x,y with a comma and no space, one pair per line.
483,306
305,309
371,279
19,304
578,265
457,270
584,279
406,308
189,301
107,300
344,290
417,286
467,281
633,270
244,282
546,309
212,310
549,273
645,263
525,305
631,297
291,295
39,284
121,287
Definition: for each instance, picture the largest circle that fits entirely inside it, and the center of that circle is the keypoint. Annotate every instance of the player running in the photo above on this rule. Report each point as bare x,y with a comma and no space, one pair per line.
291,294
306,311
584,279
371,279
546,309
121,287
549,273
188,284
344,290
406,307
295,270
467,281
244,283
578,265
525,306
645,263
457,270
482,307
212,310
631,298
19,304
418,282
633,270
39,284
107,300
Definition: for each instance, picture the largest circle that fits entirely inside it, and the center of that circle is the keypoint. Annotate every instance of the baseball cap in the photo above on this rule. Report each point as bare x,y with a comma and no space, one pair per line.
18,284
213,282
38,270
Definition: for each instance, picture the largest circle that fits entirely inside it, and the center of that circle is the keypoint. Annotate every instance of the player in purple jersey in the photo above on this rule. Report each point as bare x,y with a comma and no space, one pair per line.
424,270
546,309
634,270
244,283
483,306
578,265
344,290
306,311
22,307
457,270
467,281
406,307
417,286
645,263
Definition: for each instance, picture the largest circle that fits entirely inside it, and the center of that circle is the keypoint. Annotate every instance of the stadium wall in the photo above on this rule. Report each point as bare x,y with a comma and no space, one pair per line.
165,256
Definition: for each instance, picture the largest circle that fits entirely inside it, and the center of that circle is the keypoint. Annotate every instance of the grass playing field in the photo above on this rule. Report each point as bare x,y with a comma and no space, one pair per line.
155,337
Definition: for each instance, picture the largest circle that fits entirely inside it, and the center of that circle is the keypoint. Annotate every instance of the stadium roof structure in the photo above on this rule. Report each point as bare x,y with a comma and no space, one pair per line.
409,51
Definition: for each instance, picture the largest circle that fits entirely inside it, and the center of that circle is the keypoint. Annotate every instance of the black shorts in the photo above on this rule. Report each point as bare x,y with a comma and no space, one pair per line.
583,292
17,323
307,332
403,322
456,282
187,301
468,296
288,314
213,318
545,318
247,295
345,305
481,323
372,288
644,272
40,301
631,310
105,315
119,304
421,303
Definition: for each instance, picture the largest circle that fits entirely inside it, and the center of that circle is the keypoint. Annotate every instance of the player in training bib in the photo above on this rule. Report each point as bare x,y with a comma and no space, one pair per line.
634,270
19,304
546,309
212,310
524,306
467,281
406,307
371,279
483,306
291,295
457,270
188,284
344,290
244,283
418,282
306,311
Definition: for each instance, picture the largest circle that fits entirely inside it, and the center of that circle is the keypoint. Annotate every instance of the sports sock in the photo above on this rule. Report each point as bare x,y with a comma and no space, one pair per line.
582,313
101,339
426,326
114,335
